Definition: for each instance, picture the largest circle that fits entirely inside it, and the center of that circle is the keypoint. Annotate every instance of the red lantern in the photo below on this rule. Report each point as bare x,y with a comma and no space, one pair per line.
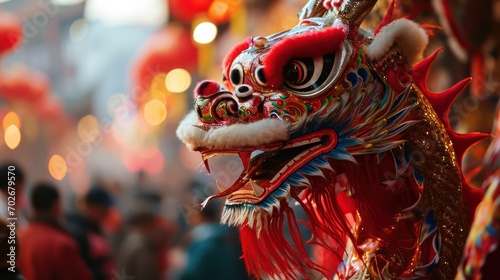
23,83
187,10
167,49
10,31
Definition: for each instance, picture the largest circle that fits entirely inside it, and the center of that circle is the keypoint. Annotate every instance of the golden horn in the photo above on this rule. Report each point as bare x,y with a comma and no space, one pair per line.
313,8
355,11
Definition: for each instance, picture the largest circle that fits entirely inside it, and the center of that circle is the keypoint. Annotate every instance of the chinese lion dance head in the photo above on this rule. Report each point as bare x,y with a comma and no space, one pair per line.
342,123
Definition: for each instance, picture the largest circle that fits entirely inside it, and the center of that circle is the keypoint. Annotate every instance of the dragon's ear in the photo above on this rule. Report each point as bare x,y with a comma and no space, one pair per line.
403,33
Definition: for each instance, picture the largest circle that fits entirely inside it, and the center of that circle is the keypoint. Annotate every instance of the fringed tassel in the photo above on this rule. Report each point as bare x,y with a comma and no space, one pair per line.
328,225
269,253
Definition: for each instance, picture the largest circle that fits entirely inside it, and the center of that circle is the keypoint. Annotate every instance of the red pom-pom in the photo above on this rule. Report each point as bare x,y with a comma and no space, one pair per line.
206,88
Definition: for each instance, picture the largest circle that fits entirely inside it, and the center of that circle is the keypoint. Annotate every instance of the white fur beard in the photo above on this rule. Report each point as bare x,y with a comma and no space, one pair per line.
251,215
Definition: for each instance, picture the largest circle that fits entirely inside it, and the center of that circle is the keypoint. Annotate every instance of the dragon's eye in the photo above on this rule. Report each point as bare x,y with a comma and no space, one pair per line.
298,72
236,75
312,76
260,76
307,74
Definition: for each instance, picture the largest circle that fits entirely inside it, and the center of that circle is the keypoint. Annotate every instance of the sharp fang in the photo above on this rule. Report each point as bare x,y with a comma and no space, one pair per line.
257,190
221,187
256,153
245,159
205,161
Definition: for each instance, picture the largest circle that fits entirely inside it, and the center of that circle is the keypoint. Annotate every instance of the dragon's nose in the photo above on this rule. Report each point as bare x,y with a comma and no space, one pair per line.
215,105
243,91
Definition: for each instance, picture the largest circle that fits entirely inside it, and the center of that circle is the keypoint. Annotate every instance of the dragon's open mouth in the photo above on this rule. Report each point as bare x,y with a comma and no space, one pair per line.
263,169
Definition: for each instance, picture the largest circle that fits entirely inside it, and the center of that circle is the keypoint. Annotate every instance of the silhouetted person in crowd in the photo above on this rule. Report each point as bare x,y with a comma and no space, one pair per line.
86,228
215,250
139,252
8,267
46,249
147,238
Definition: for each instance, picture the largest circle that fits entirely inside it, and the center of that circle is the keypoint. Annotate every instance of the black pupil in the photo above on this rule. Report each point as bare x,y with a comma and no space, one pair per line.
235,76
292,73
261,76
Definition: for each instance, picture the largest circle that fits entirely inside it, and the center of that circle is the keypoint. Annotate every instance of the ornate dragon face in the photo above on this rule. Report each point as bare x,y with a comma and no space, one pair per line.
292,100
342,123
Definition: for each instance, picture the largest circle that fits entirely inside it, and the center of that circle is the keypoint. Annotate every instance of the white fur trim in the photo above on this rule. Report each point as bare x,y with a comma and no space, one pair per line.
407,34
238,135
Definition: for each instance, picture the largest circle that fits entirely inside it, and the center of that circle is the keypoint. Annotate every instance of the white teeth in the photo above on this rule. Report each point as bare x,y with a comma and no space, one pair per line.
302,143
221,187
257,190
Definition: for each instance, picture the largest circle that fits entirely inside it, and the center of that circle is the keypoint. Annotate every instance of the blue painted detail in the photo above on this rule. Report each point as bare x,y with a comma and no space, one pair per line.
363,74
353,78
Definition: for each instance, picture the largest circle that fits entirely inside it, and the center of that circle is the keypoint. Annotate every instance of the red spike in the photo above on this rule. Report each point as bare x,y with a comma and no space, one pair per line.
421,70
461,142
388,18
441,102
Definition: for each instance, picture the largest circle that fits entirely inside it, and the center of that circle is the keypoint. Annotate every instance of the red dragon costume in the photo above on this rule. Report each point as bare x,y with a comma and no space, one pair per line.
342,122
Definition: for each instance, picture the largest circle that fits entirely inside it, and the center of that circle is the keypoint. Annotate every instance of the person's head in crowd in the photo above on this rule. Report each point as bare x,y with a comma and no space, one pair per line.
142,220
96,204
45,200
11,172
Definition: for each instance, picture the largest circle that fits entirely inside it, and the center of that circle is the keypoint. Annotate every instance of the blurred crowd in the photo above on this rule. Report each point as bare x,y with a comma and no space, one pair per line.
107,237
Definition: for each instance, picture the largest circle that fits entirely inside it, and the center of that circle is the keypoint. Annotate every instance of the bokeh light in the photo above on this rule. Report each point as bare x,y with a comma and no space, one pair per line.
205,32
178,80
155,112
219,11
11,118
132,161
78,30
158,95
88,128
57,167
154,164
12,136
